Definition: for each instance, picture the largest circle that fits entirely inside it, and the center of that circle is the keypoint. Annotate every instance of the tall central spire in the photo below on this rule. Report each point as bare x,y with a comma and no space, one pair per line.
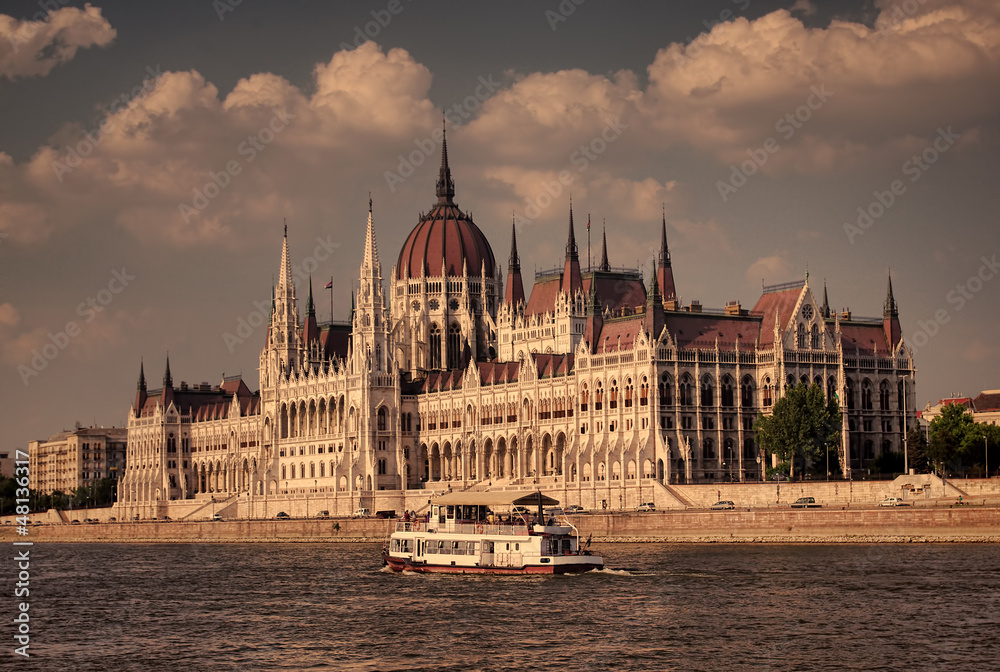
445,185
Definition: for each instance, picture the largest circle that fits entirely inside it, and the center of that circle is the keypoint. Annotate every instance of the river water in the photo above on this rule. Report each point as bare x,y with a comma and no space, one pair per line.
660,607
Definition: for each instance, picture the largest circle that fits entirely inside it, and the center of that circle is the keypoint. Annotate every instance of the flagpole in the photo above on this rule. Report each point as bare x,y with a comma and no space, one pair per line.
331,301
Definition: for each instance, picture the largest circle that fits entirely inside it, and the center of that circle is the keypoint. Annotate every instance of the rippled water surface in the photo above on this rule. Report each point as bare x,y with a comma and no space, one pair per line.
661,607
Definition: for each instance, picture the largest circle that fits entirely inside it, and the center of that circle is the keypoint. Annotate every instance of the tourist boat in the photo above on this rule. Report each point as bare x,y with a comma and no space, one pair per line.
488,533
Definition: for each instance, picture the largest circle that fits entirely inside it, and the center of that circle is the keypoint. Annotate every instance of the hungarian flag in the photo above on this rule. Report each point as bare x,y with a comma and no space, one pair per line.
329,285
588,222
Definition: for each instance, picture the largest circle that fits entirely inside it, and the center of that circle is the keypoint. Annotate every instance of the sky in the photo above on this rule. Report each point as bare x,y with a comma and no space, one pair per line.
150,154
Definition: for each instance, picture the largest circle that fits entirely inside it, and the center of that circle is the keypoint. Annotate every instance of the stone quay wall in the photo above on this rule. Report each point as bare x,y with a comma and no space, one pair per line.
826,525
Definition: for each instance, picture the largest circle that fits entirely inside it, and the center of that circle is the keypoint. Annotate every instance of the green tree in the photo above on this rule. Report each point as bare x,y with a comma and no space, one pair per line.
916,448
948,432
803,424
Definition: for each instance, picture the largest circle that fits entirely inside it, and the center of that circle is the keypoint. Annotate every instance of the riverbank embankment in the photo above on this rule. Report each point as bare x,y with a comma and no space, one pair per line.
825,525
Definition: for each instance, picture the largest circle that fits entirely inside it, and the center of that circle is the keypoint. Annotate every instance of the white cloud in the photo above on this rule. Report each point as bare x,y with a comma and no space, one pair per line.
31,48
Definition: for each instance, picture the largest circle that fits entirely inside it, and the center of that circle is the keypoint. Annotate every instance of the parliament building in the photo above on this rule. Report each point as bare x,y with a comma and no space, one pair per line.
600,385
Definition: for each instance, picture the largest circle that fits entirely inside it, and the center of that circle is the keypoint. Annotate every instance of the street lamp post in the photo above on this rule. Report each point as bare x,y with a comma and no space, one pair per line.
986,447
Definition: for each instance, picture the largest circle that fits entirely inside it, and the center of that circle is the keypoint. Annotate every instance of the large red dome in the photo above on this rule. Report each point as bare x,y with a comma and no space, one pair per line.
445,233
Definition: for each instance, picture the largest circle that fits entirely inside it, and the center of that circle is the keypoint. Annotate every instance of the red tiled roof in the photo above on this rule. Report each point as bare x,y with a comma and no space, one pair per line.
618,334
543,295
616,291
697,330
863,339
987,401
777,305
496,373
550,365
205,405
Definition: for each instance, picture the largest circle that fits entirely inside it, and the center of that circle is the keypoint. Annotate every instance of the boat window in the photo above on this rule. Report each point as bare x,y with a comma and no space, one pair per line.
508,547
517,547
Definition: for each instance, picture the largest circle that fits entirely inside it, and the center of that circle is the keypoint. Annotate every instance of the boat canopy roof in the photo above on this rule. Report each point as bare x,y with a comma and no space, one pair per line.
496,498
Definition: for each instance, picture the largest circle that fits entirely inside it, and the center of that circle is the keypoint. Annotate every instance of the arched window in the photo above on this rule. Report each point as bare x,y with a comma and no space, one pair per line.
687,394
768,392
435,346
644,393
746,391
707,392
801,335
583,398
454,346
614,394
814,336
381,419
726,398
883,396
598,397
866,396
666,390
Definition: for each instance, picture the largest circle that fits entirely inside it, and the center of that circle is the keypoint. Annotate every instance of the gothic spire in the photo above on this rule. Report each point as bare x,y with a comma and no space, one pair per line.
572,280
605,266
310,308
370,261
168,381
825,309
445,185
890,302
664,250
572,253
515,288
664,271
141,387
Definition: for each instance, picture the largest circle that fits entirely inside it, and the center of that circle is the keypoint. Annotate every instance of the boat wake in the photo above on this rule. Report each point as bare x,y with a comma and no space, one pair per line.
612,572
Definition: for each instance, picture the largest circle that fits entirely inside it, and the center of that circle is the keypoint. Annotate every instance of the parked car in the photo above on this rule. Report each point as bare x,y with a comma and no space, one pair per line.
722,504
576,508
385,514
112,519
361,513
646,507
282,516
805,503
75,522
216,516
893,501
323,514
